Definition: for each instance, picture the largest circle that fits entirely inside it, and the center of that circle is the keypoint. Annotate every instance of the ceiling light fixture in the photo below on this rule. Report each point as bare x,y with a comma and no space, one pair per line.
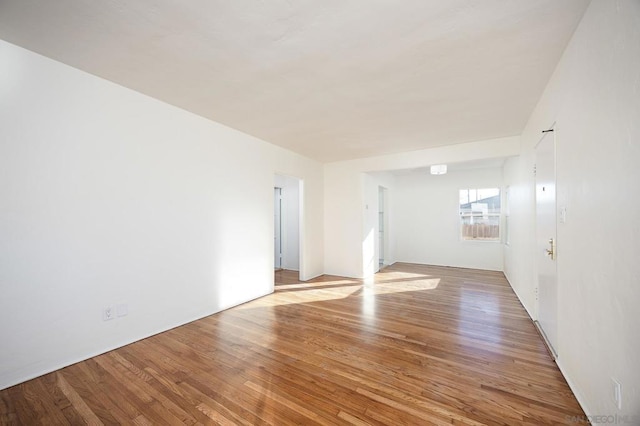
438,169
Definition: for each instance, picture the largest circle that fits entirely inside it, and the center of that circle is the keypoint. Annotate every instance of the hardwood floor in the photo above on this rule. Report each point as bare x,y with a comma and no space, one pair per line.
416,345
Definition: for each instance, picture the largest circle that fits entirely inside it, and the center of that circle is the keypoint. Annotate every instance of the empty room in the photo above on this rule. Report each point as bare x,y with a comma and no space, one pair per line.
320,212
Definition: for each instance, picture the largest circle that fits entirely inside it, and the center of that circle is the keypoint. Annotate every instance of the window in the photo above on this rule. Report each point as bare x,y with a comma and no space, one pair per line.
480,214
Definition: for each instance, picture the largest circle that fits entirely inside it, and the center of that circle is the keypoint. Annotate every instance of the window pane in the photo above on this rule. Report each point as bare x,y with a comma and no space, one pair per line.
480,214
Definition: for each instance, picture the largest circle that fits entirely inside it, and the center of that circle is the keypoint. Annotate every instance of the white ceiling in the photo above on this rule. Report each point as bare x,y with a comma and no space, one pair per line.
330,79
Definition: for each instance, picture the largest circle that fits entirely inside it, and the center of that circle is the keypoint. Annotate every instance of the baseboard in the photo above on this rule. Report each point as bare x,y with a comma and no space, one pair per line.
519,298
60,365
575,390
557,359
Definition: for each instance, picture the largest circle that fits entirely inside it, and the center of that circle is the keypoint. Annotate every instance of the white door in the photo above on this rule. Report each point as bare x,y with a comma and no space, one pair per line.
546,238
277,237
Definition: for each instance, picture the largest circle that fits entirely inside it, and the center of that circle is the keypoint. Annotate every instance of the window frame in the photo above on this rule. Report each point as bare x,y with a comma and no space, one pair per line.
499,216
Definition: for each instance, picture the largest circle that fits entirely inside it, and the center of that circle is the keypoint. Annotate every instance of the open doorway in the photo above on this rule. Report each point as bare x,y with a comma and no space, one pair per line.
383,221
287,219
277,227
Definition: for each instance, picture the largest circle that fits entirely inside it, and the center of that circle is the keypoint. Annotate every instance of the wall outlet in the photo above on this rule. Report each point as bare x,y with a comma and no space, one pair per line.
122,309
108,313
617,393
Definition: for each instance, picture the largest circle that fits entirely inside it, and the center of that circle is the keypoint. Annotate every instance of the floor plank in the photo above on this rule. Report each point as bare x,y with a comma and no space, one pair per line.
415,345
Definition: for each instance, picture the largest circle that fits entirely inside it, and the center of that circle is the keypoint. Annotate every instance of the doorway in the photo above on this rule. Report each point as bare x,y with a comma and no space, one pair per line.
277,226
382,226
547,288
287,219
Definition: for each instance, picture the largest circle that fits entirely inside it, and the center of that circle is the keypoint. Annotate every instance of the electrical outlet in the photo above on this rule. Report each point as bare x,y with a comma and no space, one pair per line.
108,313
617,393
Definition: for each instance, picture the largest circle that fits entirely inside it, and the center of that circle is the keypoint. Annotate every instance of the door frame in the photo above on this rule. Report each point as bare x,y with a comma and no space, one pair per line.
382,249
285,182
277,228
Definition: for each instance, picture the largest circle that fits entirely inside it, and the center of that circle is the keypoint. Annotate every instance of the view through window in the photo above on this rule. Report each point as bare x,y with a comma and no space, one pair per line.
480,214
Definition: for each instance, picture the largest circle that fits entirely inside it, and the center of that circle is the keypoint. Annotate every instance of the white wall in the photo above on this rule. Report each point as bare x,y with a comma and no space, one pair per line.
108,196
427,220
290,217
594,98
348,191
519,255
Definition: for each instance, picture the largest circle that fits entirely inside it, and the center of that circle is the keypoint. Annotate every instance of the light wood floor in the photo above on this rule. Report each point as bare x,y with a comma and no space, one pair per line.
419,345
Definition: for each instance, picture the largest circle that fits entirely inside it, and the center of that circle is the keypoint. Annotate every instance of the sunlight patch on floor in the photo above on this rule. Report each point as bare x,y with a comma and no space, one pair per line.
399,287
397,275
316,284
331,290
